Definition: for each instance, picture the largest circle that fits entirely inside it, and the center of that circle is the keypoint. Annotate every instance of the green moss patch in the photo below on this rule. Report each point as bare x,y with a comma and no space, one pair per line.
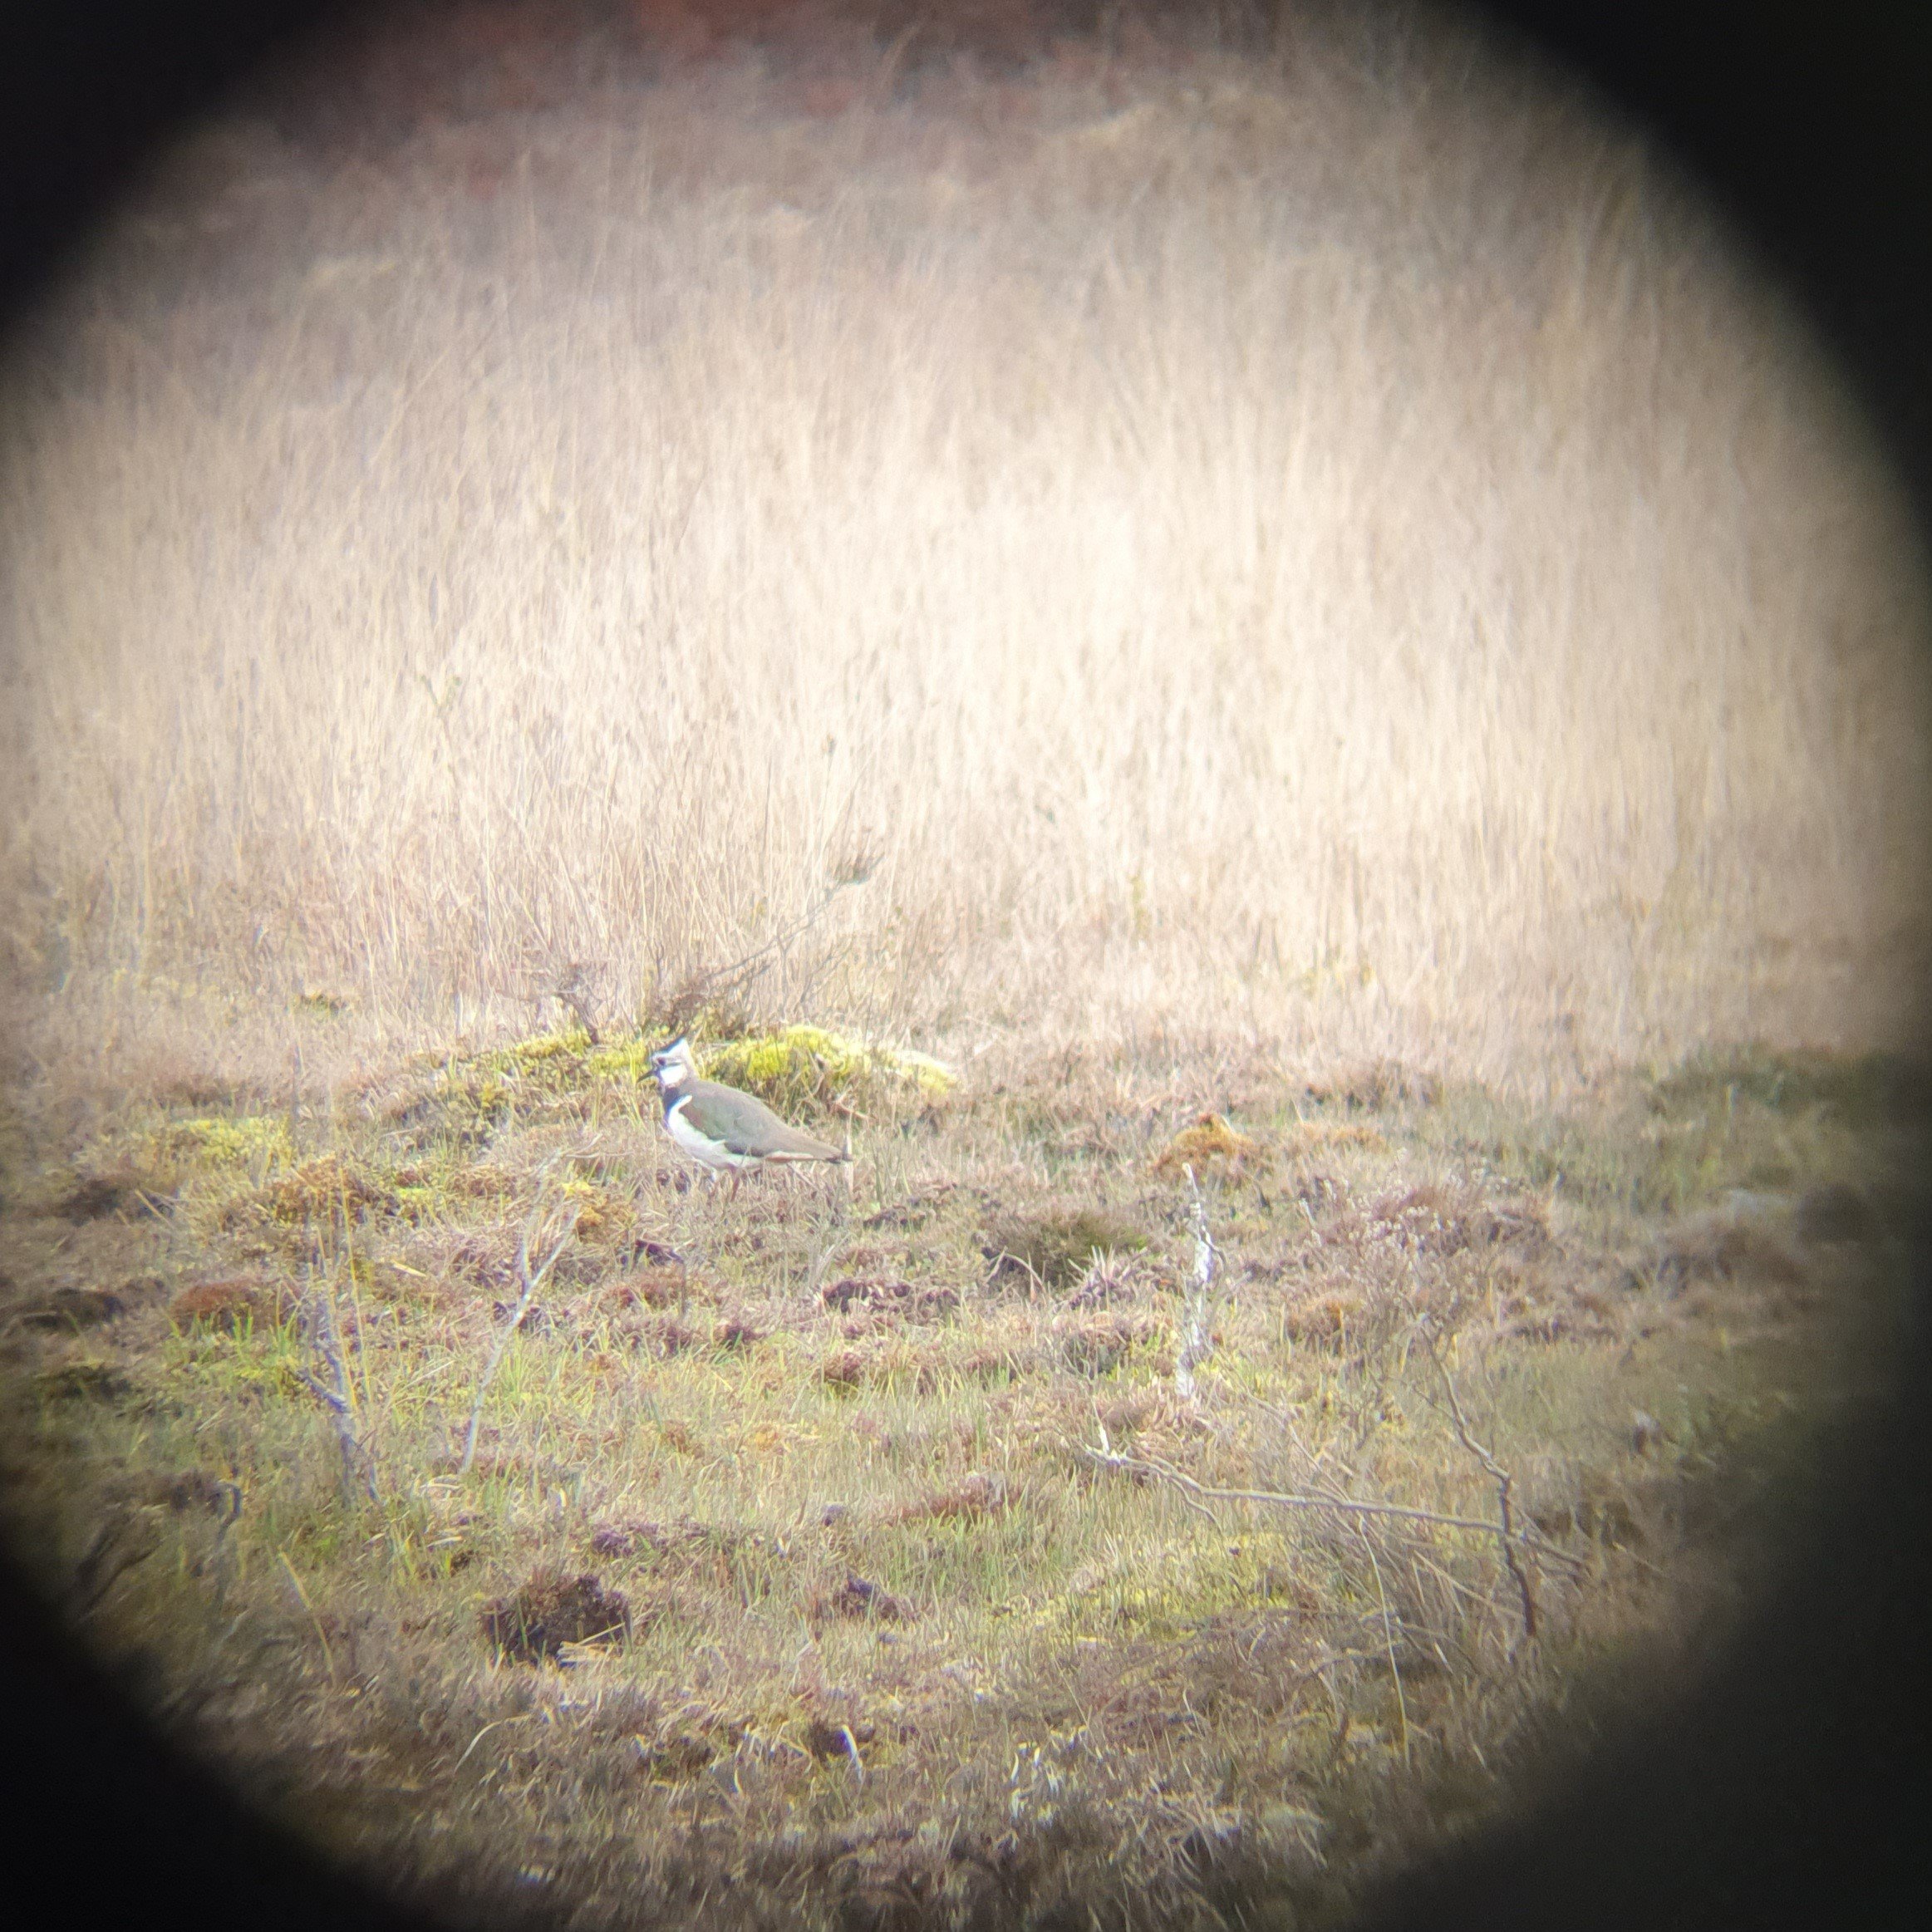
255,1141
802,1070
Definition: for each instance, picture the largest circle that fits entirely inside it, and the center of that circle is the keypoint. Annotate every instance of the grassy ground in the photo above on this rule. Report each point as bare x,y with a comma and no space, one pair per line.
845,1566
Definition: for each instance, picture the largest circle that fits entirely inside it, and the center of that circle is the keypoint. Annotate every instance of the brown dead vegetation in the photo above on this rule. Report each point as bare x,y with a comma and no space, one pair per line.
1212,1148
1055,1248
535,1622
228,1303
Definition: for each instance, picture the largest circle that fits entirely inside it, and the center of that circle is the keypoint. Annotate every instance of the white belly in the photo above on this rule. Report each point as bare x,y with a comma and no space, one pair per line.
711,1153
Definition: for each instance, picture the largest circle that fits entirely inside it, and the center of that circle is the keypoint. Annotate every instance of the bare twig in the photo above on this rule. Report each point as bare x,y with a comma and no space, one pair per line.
1342,1505
358,1462
575,988
1500,1478
514,1320
723,978
1197,1326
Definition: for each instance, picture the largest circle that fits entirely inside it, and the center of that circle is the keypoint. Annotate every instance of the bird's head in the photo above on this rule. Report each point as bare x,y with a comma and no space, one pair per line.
673,1064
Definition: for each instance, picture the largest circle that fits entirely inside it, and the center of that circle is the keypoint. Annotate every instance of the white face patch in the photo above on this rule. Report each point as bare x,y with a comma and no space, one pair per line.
674,1067
673,1071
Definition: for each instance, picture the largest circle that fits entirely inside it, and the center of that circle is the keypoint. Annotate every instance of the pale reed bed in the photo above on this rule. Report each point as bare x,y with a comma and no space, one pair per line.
1271,547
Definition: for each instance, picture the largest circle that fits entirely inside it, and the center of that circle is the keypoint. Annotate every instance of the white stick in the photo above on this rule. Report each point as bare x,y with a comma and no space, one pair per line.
1198,1326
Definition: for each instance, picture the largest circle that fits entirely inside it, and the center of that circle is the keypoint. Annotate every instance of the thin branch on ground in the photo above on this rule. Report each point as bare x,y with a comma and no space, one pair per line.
1501,1477
358,1462
1341,1505
525,1301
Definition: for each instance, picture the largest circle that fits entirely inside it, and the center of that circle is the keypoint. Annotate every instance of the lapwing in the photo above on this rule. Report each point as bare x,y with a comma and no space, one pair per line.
723,1129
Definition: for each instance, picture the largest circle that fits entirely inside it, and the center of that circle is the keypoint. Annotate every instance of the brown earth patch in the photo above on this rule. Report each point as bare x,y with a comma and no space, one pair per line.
548,1610
226,1304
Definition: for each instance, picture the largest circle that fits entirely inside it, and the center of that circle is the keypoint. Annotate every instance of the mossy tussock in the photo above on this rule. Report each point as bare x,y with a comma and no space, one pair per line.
1055,1246
806,1070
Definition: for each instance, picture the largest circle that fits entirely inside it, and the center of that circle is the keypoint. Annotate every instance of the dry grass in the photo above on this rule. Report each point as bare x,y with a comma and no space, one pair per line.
1313,543
1276,602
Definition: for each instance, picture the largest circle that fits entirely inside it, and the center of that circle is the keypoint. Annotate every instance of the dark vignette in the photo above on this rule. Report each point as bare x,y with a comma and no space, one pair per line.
1793,1786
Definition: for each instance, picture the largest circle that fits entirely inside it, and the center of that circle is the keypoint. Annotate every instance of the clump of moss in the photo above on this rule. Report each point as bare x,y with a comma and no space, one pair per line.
530,1076
621,1059
1057,1247
259,1140
329,1185
541,1049
1212,1146
806,1069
